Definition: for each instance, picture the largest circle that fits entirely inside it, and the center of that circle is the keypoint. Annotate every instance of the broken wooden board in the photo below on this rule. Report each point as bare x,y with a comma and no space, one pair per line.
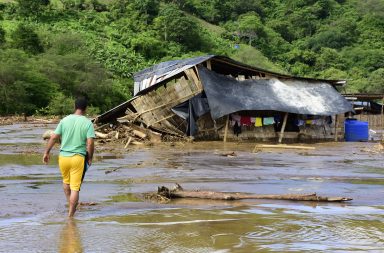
282,146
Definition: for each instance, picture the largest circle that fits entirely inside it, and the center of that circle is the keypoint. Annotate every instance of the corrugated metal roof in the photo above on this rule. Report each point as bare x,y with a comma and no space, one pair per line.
163,71
166,70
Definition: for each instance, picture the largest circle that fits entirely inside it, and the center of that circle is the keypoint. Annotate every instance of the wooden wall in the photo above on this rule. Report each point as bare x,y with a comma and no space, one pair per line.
154,108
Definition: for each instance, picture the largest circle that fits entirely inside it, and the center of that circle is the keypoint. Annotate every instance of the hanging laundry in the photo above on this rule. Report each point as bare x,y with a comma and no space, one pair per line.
268,121
328,120
318,122
253,120
258,122
245,120
300,122
236,129
308,122
235,118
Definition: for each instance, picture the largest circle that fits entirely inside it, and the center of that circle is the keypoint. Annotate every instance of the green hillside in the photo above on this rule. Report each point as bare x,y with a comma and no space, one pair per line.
53,51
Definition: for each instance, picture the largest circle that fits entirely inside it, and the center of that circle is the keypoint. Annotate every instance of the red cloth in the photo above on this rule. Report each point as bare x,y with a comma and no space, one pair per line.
245,121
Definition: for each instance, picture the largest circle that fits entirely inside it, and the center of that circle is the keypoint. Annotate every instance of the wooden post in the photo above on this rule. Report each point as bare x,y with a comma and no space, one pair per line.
336,123
283,127
226,129
382,119
209,65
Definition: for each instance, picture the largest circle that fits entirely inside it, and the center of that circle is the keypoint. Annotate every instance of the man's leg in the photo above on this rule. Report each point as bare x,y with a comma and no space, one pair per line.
73,201
65,165
76,175
67,191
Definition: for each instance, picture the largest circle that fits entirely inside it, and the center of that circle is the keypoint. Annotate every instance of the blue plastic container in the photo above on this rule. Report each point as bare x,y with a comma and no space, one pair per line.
356,130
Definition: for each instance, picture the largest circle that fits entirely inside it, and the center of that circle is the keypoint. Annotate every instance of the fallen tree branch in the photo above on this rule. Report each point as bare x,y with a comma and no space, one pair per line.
179,192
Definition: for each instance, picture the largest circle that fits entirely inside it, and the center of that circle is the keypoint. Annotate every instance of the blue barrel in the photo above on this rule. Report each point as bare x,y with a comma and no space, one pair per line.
356,130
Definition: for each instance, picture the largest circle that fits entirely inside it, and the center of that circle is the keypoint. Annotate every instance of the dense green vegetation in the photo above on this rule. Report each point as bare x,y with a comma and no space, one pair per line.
52,51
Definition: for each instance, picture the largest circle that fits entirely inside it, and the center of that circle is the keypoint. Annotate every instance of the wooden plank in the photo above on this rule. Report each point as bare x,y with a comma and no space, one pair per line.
167,104
382,117
209,64
128,142
192,76
336,123
226,129
158,121
283,146
283,127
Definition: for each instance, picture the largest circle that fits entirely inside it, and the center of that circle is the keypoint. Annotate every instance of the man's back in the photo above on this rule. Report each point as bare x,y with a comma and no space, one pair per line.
74,130
77,147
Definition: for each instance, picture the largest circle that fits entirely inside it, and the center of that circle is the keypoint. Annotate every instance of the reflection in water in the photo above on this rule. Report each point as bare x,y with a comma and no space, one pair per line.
70,241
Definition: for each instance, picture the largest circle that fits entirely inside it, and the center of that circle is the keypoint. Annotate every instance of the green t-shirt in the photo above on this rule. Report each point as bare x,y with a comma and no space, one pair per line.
74,131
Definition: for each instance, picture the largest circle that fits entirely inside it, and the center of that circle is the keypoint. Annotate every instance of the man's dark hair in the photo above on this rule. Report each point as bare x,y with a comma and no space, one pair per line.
81,103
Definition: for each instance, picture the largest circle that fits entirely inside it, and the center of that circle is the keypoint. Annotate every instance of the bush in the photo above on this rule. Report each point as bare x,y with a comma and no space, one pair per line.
59,105
25,38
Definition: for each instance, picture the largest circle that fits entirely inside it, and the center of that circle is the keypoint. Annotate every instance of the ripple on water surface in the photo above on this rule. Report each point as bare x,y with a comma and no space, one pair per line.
237,229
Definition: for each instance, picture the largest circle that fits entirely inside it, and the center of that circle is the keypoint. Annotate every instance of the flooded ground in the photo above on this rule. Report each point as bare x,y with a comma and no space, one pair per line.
33,212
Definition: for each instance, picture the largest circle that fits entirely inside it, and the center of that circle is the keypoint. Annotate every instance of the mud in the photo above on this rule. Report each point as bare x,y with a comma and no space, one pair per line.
33,210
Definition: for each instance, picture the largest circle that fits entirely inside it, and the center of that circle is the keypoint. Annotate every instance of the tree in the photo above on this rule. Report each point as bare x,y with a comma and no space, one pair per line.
32,7
176,26
24,37
376,81
148,45
149,8
2,36
332,38
250,26
23,89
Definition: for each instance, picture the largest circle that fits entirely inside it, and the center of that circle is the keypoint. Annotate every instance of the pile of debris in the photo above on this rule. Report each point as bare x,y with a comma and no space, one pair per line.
376,149
10,120
126,134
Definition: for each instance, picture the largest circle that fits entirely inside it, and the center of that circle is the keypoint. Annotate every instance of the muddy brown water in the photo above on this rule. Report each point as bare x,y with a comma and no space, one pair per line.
33,212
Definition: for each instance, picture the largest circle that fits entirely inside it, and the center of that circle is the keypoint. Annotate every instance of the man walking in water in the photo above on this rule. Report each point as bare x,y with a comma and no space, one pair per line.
76,152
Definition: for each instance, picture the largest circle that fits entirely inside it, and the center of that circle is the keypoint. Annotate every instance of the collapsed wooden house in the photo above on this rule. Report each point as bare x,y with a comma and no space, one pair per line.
215,97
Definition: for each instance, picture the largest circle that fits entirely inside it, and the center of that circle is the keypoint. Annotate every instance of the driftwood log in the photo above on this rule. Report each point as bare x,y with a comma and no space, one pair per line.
179,192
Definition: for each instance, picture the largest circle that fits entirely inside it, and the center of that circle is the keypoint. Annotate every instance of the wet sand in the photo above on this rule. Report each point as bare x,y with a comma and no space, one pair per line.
33,212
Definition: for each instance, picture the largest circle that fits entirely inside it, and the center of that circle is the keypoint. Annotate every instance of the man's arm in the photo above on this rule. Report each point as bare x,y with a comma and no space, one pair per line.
50,144
90,149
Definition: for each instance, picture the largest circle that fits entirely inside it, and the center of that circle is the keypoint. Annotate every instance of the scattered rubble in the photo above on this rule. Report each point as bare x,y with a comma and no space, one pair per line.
10,120
228,154
127,134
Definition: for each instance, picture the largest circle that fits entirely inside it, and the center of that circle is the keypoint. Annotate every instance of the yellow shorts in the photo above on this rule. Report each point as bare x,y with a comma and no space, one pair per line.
73,171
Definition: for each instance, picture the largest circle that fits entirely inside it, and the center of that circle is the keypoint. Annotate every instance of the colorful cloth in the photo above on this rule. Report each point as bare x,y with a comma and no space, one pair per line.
300,122
258,122
236,129
245,120
268,121
235,118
